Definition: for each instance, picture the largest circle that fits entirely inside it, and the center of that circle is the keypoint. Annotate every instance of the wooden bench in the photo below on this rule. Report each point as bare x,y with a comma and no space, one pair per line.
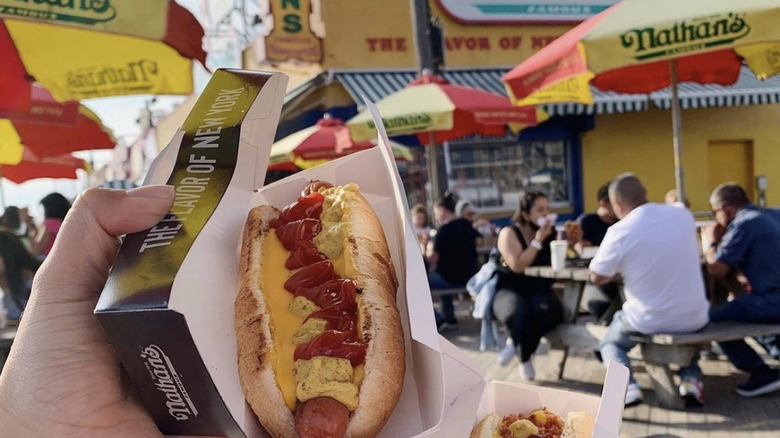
659,351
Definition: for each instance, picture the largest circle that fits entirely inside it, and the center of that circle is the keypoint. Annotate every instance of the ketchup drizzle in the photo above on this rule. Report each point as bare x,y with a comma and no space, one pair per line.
315,279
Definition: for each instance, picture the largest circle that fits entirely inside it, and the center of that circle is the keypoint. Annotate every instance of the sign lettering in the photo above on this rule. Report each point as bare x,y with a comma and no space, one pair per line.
292,36
460,43
134,77
649,42
522,11
87,12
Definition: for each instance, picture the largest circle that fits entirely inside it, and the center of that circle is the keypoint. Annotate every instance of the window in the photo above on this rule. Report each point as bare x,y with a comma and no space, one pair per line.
492,173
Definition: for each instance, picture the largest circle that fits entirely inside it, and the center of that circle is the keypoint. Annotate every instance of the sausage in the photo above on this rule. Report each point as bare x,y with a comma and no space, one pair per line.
321,417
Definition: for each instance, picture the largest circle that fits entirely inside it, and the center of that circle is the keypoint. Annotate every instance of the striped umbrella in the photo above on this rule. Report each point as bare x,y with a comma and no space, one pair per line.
436,111
33,167
53,130
327,140
79,49
639,46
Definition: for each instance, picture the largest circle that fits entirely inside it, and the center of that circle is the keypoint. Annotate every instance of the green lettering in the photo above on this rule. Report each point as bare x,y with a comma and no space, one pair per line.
292,23
296,4
639,37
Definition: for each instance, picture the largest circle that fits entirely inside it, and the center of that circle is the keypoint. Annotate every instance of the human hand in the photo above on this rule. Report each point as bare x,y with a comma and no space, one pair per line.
544,232
62,377
713,233
574,233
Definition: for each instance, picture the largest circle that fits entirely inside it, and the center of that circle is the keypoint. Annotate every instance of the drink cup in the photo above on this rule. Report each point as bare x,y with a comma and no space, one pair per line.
558,254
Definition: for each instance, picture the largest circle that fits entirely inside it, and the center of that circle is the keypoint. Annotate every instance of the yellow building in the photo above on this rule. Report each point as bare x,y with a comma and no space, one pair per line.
367,47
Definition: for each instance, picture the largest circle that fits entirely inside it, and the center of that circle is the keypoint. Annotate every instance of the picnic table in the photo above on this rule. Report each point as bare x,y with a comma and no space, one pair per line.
659,352
574,332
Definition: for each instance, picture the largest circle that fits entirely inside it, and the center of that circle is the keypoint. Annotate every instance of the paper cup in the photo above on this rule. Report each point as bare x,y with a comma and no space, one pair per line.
558,254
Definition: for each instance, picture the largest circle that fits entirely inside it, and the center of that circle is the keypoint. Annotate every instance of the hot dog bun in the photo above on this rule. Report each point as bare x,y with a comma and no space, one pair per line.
365,249
486,426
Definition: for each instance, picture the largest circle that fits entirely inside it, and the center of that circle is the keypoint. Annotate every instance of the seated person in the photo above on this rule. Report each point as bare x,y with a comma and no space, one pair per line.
526,306
453,255
17,267
654,248
746,237
600,300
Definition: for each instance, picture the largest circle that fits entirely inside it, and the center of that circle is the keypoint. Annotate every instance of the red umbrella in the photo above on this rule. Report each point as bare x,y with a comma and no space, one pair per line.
83,49
32,167
47,132
327,140
640,46
436,111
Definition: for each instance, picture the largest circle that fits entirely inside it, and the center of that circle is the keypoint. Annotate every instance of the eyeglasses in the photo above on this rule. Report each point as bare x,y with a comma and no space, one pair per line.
469,213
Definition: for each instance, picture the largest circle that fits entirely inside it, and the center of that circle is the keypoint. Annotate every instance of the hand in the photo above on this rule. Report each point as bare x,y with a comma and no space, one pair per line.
62,377
544,232
713,233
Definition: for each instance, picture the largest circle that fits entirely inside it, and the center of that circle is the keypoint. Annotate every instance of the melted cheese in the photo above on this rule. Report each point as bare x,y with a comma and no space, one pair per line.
331,241
283,322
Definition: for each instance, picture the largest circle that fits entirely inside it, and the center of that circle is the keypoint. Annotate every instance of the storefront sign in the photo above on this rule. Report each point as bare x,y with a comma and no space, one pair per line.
523,11
292,36
462,43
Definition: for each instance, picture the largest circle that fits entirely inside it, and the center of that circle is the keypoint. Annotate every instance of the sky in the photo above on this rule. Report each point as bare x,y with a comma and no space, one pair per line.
120,115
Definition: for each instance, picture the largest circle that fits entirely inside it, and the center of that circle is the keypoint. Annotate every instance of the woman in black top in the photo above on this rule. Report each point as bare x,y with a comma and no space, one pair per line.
526,305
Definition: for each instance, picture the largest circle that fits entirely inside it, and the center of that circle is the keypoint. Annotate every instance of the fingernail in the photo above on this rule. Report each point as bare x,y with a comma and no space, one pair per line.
160,192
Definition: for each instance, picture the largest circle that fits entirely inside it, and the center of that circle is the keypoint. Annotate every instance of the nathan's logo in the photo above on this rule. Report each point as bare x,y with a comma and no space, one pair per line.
649,43
84,12
167,381
403,124
133,78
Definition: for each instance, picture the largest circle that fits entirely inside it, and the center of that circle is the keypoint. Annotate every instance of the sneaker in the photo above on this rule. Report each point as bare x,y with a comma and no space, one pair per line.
759,385
527,371
506,355
633,395
691,392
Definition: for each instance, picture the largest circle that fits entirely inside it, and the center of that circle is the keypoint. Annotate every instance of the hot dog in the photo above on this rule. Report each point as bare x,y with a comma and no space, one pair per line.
538,424
320,344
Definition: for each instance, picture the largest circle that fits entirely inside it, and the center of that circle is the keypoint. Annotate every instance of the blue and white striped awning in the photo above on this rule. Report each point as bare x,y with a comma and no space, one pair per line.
746,91
375,85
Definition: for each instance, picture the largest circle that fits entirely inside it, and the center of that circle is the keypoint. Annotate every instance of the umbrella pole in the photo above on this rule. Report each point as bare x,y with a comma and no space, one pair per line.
677,132
433,168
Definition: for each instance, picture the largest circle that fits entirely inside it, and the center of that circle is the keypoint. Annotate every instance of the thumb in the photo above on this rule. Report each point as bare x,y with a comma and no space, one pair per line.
86,246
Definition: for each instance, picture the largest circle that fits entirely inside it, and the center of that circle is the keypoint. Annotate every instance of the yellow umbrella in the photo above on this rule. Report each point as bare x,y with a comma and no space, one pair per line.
83,49
640,46
327,140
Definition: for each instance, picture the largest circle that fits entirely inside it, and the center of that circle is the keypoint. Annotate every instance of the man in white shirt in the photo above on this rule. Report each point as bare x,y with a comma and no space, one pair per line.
653,247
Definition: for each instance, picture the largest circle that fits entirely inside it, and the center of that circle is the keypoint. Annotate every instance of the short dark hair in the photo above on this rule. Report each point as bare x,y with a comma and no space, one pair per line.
11,217
527,201
17,259
729,194
55,206
447,201
628,189
603,193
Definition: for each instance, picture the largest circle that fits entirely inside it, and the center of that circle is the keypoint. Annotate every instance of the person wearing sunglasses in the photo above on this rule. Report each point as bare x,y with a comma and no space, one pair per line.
747,238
